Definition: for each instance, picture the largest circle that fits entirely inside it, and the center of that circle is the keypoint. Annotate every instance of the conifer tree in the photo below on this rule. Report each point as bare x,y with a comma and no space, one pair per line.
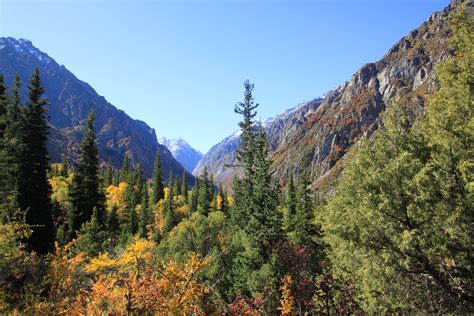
108,179
131,224
113,223
223,207
145,215
290,211
184,186
303,227
168,209
5,180
255,212
157,181
205,193
86,192
194,200
33,189
10,155
91,237
65,167
125,171
177,186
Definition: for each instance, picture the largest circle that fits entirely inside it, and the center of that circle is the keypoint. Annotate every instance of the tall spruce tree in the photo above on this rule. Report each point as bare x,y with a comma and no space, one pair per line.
64,167
33,188
11,153
290,204
254,214
157,181
205,193
194,200
168,209
222,206
86,192
145,214
184,186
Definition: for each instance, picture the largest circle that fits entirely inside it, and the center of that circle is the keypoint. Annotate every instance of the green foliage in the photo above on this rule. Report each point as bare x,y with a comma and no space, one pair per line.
157,181
400,222
206,193
145,214
86,191
91,238
254,216
34,191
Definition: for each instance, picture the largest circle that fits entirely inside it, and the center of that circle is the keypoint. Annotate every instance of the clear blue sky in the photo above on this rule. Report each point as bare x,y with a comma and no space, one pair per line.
180,65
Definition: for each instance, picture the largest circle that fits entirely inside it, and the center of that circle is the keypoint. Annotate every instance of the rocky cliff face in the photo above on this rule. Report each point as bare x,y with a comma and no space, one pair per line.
70,102
313,138
186,155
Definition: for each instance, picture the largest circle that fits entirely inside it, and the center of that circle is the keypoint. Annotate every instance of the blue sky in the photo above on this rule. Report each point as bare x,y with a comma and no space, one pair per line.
180,65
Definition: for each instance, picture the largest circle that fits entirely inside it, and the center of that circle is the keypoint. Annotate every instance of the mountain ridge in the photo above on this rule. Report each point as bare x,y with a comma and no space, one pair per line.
70,100
313,139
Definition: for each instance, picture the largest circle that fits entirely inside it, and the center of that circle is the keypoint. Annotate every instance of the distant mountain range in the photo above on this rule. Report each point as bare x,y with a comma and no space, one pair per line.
313,138
183,152
70,102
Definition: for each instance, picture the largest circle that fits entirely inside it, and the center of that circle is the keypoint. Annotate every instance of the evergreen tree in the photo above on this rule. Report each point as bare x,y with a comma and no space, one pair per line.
184,186
157,181
131,224
125,171
254,214
65,167
145,215
10,155
303,227
86,192
113,223
91,237
194,200
108,179
223,207
177,186
205,193
290,211
400,223
33,189
168,209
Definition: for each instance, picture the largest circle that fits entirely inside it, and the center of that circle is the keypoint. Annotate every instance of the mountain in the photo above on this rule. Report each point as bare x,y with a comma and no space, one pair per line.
70,102
315,136
182,152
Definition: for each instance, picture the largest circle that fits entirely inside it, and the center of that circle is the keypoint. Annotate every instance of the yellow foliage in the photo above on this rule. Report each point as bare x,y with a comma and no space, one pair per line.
287,301
116,197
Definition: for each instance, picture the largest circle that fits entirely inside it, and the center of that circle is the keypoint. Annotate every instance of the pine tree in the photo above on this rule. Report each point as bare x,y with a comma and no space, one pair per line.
157,181
290,211
86,192
223,207
184,186
125,171
65,167
10,155
108,179
145,215
5,179
194,200
113,223
177,186
131,224
91,237
303,227
168,209
205,193
255,213
33,189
